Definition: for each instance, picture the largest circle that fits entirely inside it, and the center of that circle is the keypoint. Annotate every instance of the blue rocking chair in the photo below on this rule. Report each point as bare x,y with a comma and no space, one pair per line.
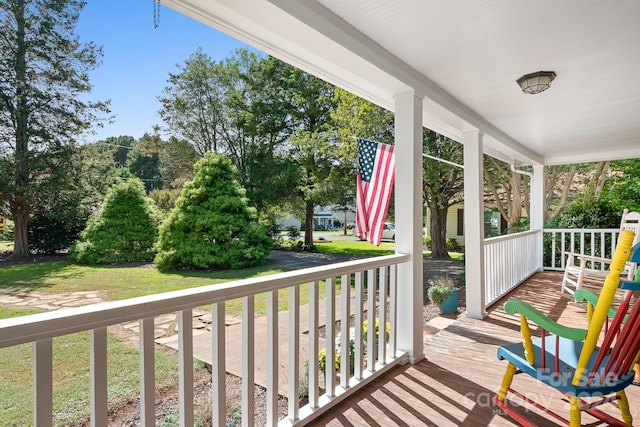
580,363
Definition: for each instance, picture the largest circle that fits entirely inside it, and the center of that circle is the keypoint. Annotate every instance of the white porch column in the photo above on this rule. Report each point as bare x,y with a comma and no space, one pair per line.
537,207
474,225
408,219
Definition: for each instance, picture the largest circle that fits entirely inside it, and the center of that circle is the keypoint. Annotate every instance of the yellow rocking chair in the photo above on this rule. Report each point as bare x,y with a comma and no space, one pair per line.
570,360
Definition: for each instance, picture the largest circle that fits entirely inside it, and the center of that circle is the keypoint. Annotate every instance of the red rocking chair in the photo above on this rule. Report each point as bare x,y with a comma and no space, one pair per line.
570,360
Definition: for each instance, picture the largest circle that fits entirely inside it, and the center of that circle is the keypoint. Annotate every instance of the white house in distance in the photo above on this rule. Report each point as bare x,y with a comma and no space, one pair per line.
324,218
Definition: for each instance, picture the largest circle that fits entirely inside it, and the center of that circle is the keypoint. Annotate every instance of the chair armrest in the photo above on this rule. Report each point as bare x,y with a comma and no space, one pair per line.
585,295
537,317
594,259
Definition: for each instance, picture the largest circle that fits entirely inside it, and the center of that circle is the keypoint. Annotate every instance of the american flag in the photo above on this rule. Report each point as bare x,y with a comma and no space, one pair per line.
376,170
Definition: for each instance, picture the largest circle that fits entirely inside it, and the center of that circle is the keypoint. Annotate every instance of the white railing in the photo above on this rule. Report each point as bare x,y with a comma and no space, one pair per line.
598,242
509,260
371,277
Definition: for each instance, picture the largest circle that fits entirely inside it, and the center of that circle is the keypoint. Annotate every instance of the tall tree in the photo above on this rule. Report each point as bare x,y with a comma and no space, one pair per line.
443,186
43,73
313,145
192,105
239,107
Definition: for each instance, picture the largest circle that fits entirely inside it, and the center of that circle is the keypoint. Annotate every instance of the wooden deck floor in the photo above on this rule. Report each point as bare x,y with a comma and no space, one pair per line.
454,385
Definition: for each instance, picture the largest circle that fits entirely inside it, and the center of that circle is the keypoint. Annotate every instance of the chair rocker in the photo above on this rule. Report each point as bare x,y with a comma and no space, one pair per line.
570,360
580,265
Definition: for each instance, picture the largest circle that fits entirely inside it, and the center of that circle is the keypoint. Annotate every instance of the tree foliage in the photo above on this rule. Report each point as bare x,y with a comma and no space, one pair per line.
622,189
123,230
212,226
43,74
587,212
55,225
239,107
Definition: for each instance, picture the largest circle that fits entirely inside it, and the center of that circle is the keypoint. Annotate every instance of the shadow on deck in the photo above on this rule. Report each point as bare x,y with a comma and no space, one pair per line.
454,384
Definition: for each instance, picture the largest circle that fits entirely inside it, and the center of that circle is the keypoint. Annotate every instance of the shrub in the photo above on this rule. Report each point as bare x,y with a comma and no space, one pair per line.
441,288
212,226
123,230
293,232
50,231
453,245
582,214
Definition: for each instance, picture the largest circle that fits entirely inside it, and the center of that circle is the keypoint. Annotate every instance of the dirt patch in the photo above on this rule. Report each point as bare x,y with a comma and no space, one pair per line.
6,259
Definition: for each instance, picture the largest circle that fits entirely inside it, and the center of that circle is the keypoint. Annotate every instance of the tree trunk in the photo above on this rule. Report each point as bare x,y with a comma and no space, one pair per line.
20,233
438,232
308,230
515,203
20,206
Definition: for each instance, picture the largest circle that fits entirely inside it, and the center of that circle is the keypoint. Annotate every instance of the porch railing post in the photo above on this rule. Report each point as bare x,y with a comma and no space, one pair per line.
408,217
474,225
537,207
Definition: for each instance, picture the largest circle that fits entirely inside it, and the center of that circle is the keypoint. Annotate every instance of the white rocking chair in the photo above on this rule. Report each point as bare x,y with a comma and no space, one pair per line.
580,265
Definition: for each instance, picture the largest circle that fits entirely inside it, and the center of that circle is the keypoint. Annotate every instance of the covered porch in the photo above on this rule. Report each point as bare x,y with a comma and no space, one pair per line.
454,384
450,67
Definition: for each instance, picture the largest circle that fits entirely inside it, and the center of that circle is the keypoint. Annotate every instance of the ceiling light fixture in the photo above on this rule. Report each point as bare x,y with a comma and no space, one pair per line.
536,82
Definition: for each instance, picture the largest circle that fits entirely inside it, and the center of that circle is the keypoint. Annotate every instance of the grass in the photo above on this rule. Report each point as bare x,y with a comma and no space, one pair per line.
118,283
115,282
71,376
71,352
354,247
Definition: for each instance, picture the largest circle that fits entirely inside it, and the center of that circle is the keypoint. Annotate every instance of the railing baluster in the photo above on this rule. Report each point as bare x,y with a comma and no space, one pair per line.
382,309
553,249
504,268
294,352
98,369
248,365
185,366
393,309
218,369
147,373
314,387
345,320
330,325
42,354
358,351
272,358
371,319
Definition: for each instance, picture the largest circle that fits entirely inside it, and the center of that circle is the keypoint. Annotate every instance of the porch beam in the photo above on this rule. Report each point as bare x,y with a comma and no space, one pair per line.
474,225
408,219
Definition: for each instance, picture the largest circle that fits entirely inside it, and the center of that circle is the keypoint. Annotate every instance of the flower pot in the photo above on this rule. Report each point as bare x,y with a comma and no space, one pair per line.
450,305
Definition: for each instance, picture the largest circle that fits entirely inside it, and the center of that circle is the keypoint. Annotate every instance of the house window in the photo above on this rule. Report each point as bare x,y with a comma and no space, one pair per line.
460,231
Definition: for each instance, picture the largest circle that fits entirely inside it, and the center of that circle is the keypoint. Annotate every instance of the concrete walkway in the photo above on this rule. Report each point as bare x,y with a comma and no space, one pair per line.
233,344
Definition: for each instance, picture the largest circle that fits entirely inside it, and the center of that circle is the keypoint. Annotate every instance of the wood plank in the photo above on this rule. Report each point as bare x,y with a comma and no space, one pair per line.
460,374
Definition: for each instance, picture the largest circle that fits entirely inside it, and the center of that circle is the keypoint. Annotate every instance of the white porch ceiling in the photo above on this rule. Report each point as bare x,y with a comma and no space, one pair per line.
464,57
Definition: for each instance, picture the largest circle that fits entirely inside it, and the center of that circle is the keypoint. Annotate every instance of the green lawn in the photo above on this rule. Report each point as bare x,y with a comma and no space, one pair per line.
71,352
354,247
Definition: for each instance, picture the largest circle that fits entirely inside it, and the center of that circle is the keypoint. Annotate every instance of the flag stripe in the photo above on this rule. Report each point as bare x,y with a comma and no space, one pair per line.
376,169
381,193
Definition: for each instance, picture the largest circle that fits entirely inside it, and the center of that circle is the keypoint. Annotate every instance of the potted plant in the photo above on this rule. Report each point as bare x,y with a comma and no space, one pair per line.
444,293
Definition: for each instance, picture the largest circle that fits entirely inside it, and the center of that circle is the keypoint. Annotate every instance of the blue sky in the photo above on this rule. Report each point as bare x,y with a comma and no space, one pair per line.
138,58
